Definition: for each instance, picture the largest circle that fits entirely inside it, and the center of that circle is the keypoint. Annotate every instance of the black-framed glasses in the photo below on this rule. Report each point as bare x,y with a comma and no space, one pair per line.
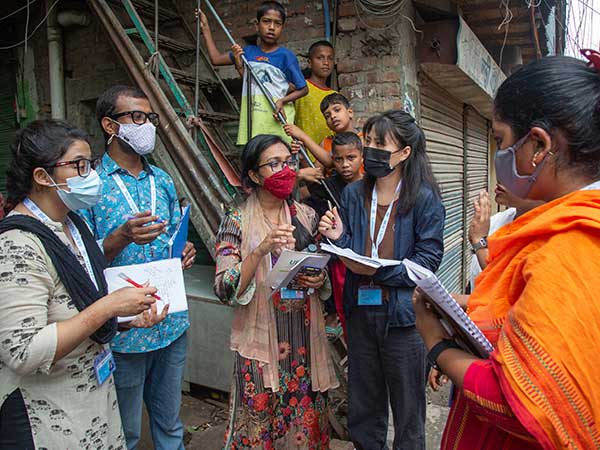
277,166
84,166
139,117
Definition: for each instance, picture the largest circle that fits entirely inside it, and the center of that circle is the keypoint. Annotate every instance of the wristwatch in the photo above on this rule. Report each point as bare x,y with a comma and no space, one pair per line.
438,348
479,245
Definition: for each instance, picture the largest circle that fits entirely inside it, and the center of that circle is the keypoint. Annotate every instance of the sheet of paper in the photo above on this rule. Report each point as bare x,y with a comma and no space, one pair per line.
166,275
350,254
290,263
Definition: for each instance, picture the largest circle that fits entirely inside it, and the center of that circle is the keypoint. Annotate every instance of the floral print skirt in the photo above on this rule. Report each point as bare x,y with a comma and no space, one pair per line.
295,417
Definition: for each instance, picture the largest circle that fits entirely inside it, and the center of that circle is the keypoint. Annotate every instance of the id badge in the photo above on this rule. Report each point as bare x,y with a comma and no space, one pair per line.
370,296
292,294
104,366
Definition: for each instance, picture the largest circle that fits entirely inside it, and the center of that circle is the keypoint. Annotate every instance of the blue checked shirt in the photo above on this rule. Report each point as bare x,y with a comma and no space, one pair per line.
111,212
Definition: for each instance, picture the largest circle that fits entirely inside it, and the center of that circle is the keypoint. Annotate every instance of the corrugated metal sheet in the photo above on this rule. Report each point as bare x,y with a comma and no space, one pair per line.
8,123
442,122
476,135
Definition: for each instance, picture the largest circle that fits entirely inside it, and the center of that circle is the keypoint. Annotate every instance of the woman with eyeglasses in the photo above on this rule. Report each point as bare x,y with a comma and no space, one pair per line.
282,369
56,318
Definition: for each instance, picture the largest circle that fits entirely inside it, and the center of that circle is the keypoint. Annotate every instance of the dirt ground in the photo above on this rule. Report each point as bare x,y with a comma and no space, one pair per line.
204,415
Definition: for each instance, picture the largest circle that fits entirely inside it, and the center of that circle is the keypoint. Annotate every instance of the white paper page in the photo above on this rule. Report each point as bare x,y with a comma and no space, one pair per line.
166,275
350,254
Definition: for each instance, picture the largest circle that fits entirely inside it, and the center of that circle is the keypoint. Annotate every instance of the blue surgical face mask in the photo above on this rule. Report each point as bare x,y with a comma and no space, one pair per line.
84,192
505,163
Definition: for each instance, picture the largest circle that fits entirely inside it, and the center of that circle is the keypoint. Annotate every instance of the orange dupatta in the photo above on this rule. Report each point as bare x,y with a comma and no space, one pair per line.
538,301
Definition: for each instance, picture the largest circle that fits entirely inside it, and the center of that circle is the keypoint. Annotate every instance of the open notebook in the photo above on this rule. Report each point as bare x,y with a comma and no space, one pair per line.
290,264
454,319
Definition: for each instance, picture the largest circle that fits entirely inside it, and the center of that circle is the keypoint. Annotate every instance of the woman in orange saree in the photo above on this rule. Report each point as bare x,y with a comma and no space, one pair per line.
538,300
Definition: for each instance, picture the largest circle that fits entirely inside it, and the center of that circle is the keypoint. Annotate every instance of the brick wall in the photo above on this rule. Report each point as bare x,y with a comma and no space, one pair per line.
90,66
375,68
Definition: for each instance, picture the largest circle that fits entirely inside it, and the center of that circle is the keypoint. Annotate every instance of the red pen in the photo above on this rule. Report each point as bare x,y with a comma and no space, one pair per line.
137,285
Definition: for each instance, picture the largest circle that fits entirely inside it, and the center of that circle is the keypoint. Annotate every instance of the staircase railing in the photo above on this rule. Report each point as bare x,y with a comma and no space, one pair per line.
201,182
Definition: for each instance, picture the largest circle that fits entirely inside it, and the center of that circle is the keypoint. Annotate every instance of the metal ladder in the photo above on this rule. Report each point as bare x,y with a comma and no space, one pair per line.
188,158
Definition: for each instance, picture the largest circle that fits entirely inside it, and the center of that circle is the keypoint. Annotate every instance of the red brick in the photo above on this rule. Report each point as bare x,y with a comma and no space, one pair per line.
350,65
346,9
350,79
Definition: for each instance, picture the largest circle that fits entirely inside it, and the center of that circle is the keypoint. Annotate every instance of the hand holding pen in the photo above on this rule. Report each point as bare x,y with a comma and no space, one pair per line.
136,284
140,228
331,225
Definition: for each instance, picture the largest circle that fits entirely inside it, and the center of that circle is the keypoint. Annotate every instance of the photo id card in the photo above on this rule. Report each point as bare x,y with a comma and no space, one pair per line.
370,296
292,294
104,366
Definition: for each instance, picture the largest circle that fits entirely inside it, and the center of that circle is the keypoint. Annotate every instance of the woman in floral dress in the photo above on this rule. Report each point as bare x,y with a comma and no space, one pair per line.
282,369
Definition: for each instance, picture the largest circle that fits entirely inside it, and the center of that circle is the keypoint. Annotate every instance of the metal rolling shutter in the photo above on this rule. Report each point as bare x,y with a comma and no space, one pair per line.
442,122
8,123
477,133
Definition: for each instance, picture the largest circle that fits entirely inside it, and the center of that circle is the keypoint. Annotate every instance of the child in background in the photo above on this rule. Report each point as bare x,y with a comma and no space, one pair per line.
276,66
338,115
308,117
347,161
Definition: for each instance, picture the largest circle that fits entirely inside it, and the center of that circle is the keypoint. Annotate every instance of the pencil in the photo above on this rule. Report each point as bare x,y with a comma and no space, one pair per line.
137,285
331,209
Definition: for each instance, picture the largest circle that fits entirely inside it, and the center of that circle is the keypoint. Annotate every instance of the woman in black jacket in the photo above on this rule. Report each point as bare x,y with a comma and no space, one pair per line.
395,212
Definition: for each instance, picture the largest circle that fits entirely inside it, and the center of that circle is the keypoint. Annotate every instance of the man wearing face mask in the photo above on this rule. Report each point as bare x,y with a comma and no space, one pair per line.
136,215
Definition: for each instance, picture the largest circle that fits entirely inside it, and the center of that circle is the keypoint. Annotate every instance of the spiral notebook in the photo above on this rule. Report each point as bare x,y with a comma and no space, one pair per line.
453,318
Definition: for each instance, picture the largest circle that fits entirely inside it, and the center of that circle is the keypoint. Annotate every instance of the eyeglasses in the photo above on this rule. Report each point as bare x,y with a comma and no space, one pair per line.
139,117
277,166
84,166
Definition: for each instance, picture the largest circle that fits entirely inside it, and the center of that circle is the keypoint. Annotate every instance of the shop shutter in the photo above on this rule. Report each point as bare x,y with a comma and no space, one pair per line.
477,148
8,123
442,122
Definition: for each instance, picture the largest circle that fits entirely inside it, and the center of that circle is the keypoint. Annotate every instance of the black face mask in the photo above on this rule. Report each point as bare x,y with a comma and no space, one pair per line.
377,162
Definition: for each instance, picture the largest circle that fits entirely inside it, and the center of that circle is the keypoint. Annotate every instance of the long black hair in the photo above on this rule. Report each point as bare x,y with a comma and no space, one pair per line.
416,169
250,159
556,93
40,144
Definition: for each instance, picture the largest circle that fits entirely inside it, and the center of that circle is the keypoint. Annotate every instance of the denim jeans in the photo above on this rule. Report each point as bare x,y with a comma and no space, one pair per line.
155,378
384,369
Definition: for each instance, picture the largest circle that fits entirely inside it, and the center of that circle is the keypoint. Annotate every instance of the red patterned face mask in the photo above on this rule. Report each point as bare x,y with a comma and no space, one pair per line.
281,184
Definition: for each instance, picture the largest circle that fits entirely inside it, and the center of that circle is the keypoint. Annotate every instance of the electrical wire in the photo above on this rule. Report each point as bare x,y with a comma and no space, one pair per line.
531,4
508,17
382,9
9,47
17,10
26,26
